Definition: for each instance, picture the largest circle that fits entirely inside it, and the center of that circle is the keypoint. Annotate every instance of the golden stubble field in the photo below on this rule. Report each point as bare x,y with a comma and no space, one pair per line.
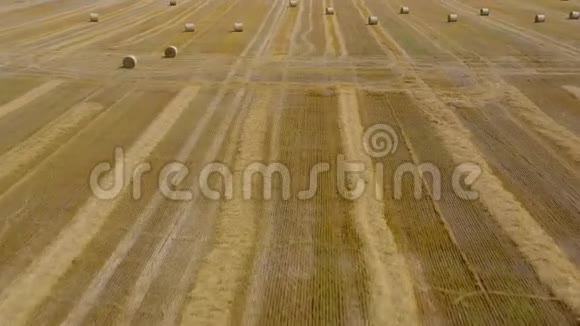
296,89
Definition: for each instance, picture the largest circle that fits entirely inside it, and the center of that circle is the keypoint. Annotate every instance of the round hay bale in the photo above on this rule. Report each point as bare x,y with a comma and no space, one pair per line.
329,11
238,27
540,18
189,27
93,17
293,3
171,52
404,10
484,12
452,18
129,62
173,2
373,20
574,15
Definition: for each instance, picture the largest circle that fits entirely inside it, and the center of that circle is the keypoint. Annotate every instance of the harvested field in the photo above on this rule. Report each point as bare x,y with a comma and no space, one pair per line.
313,169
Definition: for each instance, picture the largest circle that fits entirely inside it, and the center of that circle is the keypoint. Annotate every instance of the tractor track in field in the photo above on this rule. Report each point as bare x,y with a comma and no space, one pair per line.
305,36
568,300
50,255
34,147
59,47
335,44
252,296
559,214
22,43
518,22
509,266
185,282
544,124
528,112
18,6
31,171
47,18
210,299
179,18
533,37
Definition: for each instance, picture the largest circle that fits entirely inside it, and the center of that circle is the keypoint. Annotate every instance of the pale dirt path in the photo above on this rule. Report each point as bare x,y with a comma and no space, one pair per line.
27,291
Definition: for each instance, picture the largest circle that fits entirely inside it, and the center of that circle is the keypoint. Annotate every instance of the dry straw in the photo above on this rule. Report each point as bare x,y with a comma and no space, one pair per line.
373,20
238,27
171,52
129,62
189,27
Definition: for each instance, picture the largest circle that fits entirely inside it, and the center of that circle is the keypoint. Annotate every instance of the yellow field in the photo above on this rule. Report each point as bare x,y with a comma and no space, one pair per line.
298,91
